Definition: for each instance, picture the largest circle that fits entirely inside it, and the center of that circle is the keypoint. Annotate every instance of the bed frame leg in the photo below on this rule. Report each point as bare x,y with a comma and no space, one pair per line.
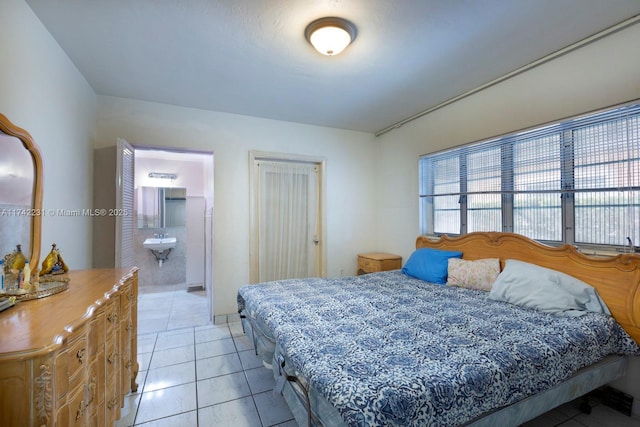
585,406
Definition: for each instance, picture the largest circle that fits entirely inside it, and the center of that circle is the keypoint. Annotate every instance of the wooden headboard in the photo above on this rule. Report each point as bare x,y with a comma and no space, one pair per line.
616,278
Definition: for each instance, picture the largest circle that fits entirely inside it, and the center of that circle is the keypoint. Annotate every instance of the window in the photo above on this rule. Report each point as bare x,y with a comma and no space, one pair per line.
576,181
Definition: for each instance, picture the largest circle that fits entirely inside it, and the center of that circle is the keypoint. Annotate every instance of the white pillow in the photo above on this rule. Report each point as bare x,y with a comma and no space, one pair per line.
547,290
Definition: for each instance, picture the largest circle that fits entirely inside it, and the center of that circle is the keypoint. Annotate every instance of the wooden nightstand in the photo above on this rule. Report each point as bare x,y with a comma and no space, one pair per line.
378,261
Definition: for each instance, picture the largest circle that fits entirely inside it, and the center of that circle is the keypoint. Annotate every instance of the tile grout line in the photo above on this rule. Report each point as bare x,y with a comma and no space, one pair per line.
195,367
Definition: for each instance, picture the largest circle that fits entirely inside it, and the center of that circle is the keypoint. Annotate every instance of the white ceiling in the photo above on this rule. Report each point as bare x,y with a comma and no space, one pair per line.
250,56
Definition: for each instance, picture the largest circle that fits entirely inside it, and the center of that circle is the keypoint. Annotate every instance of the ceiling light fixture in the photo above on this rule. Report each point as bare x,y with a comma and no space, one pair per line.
330,35
163,175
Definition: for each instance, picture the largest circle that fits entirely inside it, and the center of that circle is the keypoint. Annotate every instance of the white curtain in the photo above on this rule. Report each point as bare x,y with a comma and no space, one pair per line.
287,224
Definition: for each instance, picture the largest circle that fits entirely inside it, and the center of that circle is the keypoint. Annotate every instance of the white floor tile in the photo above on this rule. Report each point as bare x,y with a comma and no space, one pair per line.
222,389
143,360
182,339
166,402
170,376
129,410
249,359
212,333
602,415
236,413
272,408
290,423
172,356
260,379
236,329
215,348
218,365
177,331
187,419
243,342
146,342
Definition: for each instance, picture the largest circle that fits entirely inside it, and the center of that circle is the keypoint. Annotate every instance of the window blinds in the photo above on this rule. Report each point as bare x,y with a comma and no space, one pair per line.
576,181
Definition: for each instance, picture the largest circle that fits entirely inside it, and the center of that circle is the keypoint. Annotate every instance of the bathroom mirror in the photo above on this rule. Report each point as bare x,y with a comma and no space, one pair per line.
20,192
161,207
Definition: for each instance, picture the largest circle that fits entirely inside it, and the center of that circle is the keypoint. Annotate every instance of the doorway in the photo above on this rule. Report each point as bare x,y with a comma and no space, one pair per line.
287,216
181,185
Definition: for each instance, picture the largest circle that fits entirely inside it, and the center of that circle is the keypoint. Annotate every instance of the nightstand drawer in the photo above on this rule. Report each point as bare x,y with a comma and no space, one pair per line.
378,261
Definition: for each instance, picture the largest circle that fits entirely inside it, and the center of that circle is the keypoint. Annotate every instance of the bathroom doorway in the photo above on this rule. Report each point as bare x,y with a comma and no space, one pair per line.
171,195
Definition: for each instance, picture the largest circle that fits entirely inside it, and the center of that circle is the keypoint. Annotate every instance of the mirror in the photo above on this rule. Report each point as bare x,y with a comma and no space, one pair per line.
161,207
20,192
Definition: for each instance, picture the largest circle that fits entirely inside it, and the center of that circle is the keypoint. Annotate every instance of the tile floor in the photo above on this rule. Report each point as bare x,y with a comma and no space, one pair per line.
194,373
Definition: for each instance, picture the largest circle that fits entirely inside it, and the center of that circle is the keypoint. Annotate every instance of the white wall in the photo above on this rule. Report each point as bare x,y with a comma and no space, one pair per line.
42,92
598,75
350,177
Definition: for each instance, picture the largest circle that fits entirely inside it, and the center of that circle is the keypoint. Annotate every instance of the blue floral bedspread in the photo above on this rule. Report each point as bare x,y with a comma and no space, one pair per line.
389,350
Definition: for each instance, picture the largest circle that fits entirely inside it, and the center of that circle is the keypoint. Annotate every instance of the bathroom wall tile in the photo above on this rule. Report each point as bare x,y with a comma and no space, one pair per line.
173,270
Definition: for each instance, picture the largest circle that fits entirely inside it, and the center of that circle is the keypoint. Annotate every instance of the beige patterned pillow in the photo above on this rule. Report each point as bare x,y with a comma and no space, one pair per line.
476,274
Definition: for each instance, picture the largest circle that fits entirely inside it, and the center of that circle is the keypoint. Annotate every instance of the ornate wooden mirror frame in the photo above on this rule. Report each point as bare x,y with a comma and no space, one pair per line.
7,127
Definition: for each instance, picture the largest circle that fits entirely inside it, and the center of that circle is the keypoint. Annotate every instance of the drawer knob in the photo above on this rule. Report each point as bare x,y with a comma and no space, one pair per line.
112,357
113,317
80,355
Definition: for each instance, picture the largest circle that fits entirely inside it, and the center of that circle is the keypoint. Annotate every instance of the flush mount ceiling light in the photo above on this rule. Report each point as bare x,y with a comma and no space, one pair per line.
330,35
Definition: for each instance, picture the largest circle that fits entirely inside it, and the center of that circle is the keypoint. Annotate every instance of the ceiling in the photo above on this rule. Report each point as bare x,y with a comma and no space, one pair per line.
250,57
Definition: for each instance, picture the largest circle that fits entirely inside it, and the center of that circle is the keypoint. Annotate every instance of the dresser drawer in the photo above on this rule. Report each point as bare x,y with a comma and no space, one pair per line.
112,310
95,339
77,360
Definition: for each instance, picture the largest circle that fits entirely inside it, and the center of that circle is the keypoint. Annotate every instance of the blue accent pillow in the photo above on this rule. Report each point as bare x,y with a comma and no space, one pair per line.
430,265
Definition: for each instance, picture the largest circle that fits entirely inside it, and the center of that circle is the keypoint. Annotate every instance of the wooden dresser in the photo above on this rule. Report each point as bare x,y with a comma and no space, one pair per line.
378,261
69,359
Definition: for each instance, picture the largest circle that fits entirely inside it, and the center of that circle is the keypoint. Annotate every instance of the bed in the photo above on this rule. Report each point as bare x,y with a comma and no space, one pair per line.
391,349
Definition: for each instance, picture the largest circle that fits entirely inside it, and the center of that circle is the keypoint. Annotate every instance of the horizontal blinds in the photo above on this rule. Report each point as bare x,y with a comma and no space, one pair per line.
588,164
600,143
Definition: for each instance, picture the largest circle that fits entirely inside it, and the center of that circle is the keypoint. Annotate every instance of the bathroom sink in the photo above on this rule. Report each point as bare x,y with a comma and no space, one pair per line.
160,243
